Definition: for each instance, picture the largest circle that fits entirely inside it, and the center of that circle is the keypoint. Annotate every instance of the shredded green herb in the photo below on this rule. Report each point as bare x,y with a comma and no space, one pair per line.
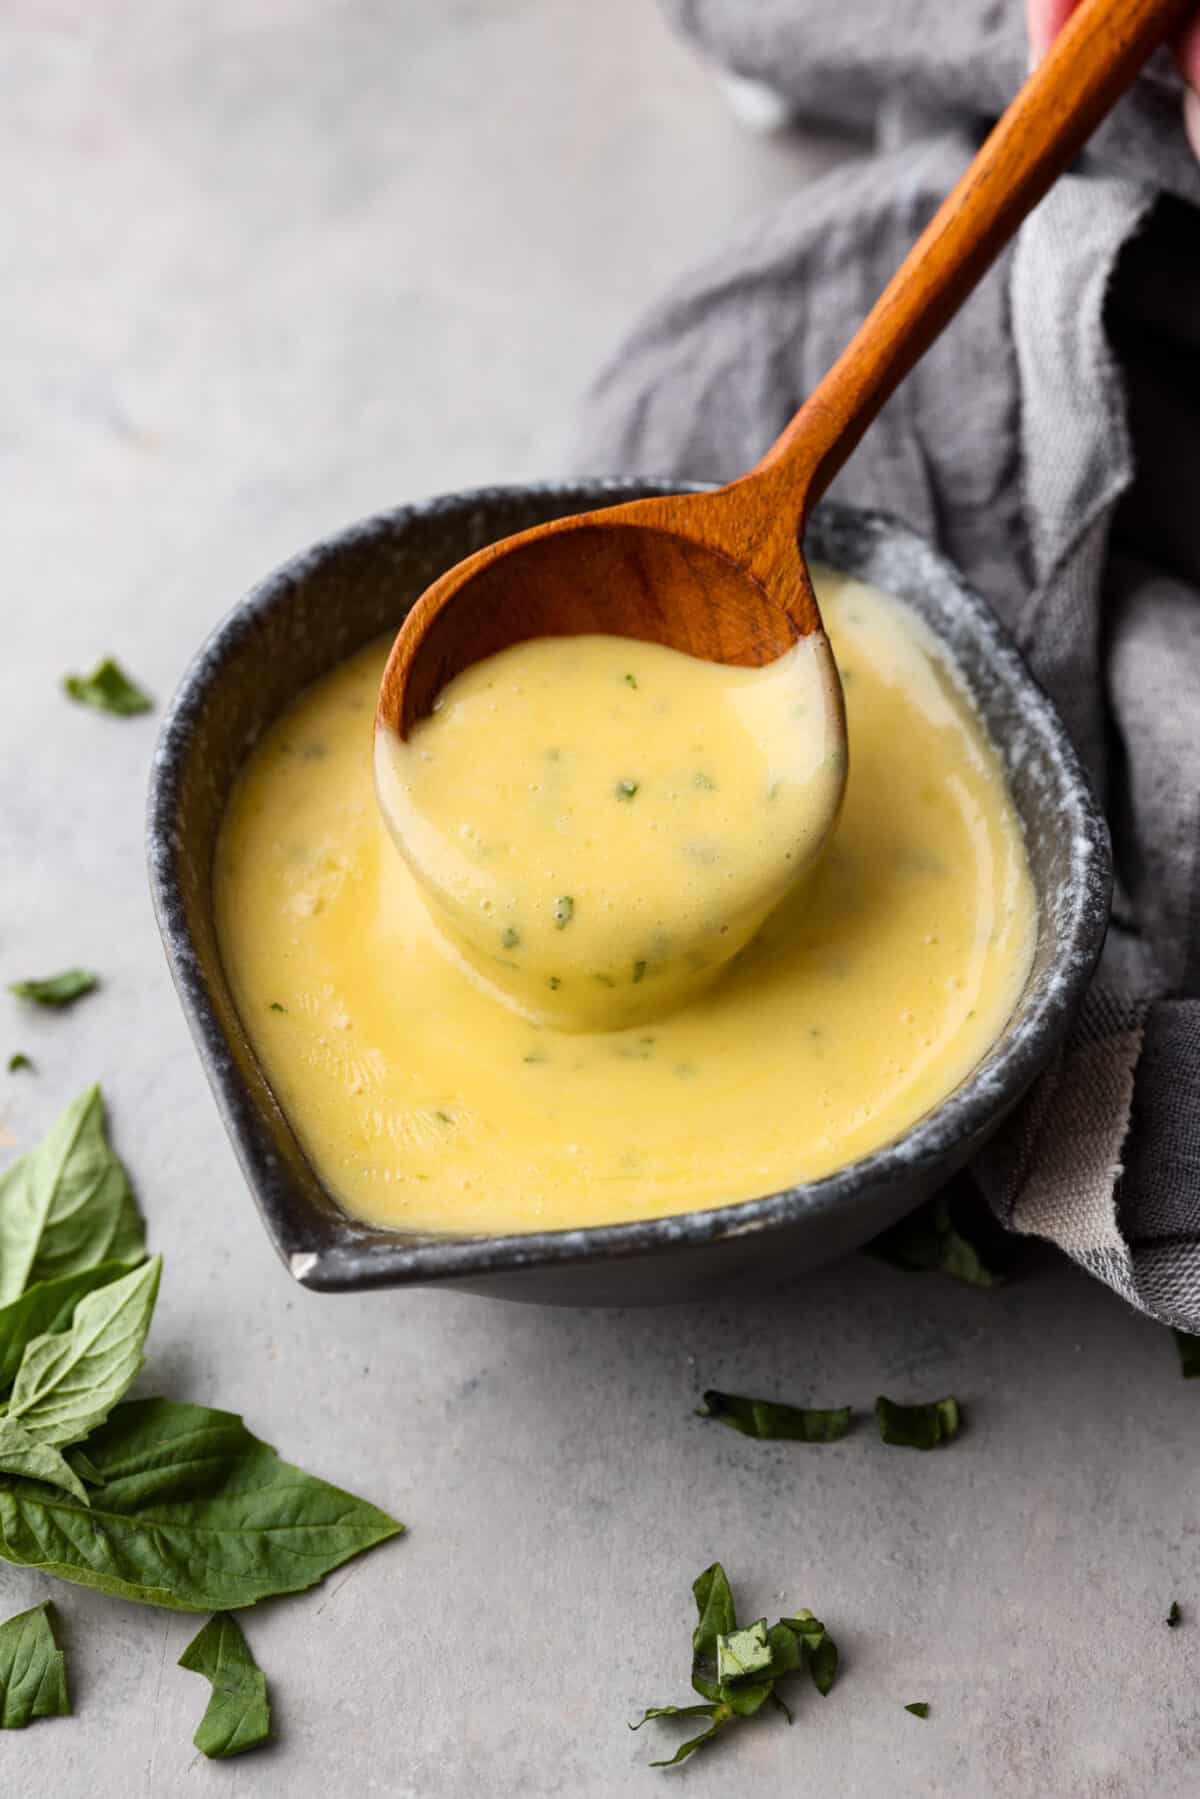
109,689
770,1421
564,911
918,1708
918,1426
956,1235
631,680
511,938
554,983
639,972
625,790
700,779
18,1059
276,1007
1174,1615
56,989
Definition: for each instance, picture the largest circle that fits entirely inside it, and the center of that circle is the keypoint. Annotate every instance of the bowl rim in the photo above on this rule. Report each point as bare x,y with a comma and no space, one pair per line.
329,1250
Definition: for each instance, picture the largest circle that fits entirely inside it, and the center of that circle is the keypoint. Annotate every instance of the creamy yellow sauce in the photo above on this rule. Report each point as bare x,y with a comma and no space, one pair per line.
425,1103
602,824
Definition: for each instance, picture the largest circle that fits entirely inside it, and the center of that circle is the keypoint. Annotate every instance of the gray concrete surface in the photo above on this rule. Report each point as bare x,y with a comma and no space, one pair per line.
270,265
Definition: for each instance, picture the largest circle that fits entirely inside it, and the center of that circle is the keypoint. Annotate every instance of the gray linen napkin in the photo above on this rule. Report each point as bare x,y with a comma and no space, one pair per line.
1050,443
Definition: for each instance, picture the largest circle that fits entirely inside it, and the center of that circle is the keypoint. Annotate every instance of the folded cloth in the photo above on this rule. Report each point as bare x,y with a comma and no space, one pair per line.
1050,444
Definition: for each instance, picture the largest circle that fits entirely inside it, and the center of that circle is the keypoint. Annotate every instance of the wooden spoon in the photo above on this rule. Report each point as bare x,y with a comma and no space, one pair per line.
721,575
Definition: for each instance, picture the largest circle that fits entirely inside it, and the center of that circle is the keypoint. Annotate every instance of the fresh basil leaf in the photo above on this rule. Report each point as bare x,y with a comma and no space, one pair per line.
195,1513
49,1306
56,989
109,689
81,1464
33,1673
69,1381
918,1708
818,1651
1174,1615
238,1715
673,1711
743,1654
1189,1354
66,1205
23,1454
918,1426
954,1233
770,1421
18,1060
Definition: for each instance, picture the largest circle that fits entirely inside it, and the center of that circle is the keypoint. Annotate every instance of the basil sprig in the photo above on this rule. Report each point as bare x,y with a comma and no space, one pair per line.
735,1671
238,1716
33,1673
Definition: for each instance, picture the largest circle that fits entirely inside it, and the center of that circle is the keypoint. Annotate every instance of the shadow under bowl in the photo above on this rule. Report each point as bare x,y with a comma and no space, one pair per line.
324,605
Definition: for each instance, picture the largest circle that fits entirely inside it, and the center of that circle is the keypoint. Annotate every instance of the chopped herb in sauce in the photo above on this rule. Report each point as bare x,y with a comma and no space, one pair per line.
536,1055
554,983
444,1117
625,790
700,779
511,938
276,1007
605,980
631,680
639,972
564,911
770,1421
918,1426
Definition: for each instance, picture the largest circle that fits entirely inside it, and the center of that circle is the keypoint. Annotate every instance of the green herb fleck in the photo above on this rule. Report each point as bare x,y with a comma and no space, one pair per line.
735,1671
444,1117
536,1055
109,689
276,1007
1189,1354
238,1716
554,983
510,939
17,1060
956,1235
771,1422
605,980
625,790
639,972
700,779
1174,1615
918,1426
564,911
631,680
918,1708
56,989
33,1673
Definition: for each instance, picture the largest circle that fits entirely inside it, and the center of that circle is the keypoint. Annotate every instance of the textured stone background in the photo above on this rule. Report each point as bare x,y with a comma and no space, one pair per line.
269,266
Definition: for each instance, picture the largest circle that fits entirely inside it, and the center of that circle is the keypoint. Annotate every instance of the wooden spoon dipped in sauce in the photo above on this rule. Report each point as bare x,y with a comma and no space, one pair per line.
721,576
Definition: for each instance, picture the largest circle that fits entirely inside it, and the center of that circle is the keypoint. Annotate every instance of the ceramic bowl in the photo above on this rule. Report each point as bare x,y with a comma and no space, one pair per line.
321,607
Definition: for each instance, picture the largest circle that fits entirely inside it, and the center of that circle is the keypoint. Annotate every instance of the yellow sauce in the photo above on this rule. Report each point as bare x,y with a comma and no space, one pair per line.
602,824
427,1104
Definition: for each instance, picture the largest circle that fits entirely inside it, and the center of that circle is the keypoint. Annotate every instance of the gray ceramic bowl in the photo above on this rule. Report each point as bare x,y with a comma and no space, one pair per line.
325,604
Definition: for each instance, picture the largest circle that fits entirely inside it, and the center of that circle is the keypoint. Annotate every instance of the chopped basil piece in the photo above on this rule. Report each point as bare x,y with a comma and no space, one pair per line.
769,1421
625,790
918,1426
1189,1354
510,939
700,779
631,680
109,689
56,989
918,1708
1174,1615
639,972
238,1716
954,1234
33,1673
17,1060
735,1671
554,983
564,911
276,1007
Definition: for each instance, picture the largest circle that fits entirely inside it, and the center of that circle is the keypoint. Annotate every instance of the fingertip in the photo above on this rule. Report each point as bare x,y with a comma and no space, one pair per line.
1191,118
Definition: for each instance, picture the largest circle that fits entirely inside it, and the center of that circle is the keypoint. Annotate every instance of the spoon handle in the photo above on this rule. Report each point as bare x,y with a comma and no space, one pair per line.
1088,67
